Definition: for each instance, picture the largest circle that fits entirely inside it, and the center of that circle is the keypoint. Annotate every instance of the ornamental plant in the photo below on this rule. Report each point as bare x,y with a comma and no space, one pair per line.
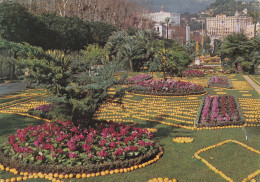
193,73
220,110
219,82
63,143
166,87
42,111
138,78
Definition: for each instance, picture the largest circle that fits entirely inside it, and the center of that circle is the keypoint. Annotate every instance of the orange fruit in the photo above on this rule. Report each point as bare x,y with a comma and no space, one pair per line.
116,171
107,172
121,170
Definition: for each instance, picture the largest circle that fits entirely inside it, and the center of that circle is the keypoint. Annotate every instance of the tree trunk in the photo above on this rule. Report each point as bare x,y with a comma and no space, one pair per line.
255,30
1,69
131,65
12,71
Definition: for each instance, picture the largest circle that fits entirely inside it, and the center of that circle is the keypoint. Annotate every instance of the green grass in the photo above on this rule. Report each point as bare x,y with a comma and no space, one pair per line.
178,162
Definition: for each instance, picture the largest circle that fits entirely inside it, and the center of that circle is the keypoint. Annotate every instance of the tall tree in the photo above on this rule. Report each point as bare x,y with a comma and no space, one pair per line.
255,15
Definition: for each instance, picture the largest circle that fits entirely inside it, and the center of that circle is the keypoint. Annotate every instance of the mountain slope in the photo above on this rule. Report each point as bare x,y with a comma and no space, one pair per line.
177,6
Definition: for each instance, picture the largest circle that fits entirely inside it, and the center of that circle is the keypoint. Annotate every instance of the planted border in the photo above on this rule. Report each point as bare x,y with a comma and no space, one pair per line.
198,123
92,168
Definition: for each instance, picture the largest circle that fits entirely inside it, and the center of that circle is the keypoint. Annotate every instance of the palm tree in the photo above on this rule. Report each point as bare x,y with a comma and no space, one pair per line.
114,43
167,20
254,16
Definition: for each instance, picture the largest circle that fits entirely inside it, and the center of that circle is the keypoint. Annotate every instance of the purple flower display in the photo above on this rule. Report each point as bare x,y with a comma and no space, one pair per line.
193,73
138,78
219,110
219,82
171,87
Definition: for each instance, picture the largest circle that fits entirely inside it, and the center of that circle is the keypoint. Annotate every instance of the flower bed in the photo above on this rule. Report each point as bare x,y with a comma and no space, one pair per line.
138,78
200,67
64,148
193,73
219,111
217,81
166,88
41,111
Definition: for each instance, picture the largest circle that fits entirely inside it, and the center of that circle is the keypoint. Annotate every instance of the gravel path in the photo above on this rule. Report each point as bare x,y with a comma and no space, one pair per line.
12,87
252,83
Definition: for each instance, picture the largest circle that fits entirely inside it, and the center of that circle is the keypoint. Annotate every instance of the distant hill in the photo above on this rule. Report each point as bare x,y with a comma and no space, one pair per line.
177,6
229,7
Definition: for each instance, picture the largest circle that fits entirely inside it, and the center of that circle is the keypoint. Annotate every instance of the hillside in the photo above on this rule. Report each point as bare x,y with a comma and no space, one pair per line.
178,6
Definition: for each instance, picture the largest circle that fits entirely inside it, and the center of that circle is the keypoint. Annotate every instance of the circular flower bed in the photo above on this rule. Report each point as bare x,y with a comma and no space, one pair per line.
183,139
166,88
219,111
138,78
62,147
193,73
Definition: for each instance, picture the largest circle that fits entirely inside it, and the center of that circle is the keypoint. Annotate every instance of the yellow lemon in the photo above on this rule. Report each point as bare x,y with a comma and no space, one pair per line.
84,175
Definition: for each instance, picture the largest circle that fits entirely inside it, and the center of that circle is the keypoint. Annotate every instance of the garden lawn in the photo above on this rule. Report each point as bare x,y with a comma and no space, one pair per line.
177,162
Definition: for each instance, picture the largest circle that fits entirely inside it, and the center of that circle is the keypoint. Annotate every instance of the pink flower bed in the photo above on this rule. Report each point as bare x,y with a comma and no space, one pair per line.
64,143
219,82
43,108
138,78
193,73
220,110
166,87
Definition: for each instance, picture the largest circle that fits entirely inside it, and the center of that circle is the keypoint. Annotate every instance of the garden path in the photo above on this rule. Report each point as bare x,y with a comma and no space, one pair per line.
252,83
12,87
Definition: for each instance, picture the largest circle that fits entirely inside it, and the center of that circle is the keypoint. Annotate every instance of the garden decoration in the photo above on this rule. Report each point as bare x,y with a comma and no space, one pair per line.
166,88
183,140
251,176
219,111
217,81
162,180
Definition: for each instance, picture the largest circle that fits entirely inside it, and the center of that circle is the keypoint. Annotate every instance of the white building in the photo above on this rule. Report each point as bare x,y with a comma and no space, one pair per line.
159,17
160,28
222,25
